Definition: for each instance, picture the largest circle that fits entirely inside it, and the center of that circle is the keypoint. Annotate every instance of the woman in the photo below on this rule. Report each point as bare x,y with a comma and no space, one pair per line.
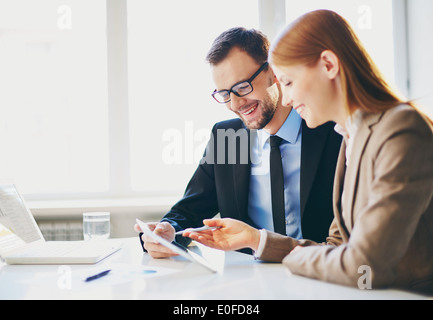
382,232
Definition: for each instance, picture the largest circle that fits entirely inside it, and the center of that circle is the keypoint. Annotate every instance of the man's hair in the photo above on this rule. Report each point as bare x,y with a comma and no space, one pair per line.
252,41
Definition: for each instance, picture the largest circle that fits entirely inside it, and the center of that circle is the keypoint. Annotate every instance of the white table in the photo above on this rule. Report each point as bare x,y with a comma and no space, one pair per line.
240,278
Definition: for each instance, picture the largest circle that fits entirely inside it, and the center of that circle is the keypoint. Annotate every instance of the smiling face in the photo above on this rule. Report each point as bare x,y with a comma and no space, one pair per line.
256,109
313,91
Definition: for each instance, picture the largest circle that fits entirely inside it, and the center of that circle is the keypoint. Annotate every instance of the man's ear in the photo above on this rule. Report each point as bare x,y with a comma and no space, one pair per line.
274,77
331,64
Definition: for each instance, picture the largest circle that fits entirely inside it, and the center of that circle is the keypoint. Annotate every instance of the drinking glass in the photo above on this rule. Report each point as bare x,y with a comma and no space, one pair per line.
96,225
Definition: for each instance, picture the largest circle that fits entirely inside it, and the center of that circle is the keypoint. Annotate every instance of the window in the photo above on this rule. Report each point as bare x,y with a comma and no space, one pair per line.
53,80
60,131
170,85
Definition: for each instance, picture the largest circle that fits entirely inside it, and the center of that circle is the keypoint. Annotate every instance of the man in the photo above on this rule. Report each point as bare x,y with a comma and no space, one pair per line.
233,178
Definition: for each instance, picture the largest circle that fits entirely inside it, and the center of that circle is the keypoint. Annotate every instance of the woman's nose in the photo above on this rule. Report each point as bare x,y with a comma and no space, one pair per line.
287,100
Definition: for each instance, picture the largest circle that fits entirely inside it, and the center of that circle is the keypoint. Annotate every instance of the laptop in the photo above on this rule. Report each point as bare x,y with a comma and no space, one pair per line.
21,240
178,248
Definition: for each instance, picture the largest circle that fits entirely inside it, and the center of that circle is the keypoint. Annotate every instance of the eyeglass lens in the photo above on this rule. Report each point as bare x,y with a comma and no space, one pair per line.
240,89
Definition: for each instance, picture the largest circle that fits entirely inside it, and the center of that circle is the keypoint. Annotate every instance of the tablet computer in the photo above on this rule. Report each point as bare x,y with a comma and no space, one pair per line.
176,247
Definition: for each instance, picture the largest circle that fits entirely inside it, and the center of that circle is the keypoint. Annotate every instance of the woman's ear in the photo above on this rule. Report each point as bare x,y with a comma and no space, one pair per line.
331,64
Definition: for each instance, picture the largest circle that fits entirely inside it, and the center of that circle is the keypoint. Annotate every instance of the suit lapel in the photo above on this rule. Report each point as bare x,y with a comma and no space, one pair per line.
352,173
241,179
313,142
340,173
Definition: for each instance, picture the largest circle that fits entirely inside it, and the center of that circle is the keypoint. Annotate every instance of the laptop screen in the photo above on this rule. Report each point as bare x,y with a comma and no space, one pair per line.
15,217
8,240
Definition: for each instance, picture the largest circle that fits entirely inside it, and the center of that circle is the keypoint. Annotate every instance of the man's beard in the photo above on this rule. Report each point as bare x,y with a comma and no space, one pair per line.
268,111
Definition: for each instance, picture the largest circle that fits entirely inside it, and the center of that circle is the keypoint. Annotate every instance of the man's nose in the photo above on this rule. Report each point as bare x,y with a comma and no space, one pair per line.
236,102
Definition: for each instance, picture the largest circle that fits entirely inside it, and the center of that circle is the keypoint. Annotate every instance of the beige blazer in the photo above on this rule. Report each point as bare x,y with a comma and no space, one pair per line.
383,234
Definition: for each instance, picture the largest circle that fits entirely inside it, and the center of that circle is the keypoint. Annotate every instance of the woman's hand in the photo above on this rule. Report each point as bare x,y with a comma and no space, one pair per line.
232,235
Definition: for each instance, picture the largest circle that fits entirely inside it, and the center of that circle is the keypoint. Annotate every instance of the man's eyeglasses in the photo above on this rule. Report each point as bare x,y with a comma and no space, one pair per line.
240,89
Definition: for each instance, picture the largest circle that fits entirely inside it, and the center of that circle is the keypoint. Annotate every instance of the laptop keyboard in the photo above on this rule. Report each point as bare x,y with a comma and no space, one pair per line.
62,249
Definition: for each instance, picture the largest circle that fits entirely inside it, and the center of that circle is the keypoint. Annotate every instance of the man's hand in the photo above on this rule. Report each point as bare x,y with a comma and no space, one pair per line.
162,229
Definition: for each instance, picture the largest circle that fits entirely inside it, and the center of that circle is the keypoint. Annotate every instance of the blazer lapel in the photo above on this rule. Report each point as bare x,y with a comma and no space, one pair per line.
313,142
340,173
352,173
241,179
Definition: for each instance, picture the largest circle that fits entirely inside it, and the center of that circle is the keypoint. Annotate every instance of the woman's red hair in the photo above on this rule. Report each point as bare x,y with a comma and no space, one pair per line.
303,41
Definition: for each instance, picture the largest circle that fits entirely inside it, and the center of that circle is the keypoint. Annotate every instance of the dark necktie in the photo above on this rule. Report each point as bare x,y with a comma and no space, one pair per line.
277,186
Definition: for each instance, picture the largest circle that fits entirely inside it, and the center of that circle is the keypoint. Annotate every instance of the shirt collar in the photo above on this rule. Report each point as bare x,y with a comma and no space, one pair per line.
352,124
289,131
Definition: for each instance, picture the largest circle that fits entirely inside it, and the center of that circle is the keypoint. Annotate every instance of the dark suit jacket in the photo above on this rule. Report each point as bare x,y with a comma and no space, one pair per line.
221,182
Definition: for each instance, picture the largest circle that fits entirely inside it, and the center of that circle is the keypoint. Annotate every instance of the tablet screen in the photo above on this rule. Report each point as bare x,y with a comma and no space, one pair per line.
176,247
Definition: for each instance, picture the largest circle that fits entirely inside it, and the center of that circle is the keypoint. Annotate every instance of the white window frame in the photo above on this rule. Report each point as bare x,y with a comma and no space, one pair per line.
401,47
120,195
118,104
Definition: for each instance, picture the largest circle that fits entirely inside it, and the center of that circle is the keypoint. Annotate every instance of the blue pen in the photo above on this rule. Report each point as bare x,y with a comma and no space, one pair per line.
97,276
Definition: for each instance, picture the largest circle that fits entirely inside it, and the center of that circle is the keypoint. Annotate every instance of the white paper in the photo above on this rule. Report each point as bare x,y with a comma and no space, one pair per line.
121,273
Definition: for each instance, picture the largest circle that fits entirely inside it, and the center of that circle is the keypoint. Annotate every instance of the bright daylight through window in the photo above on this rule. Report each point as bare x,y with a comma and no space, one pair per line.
55,120
53,80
